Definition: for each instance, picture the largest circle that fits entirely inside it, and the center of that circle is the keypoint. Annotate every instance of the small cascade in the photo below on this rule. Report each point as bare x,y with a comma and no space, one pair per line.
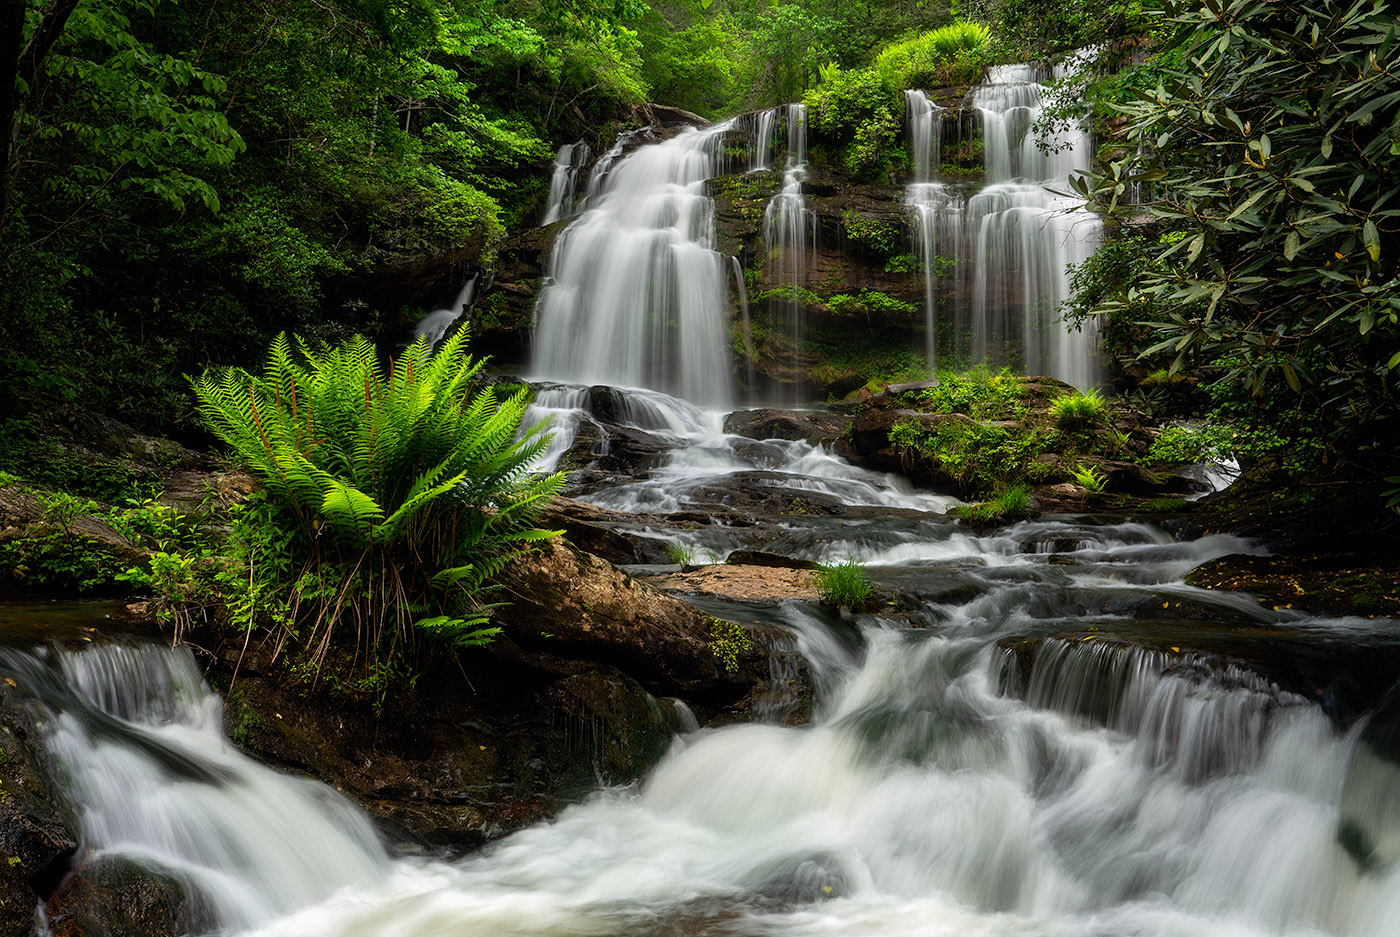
637,296
925,135
761,139
790,229
136,735
435,325
563,182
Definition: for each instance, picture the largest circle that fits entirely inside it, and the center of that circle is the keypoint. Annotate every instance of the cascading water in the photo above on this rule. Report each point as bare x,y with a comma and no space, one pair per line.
563,181
1024,235
934,207
1011,240
761,139
637,294
137,738
790,229
953,781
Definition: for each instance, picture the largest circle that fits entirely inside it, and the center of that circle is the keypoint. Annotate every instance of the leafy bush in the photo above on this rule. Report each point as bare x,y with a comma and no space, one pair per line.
950,55
977,392
845,585
403,490
860,116
1210,442
1078,410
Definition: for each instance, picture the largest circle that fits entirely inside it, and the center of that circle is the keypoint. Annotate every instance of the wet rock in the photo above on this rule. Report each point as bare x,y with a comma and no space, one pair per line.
575,605
760,558
110,896
36,835
812,426
1340,583
585,526
611,724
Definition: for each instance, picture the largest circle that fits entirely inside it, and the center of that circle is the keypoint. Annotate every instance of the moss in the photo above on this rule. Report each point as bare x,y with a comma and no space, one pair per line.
728,642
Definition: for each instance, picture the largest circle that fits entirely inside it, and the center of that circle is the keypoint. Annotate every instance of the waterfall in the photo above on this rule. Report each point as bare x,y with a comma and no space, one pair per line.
637,295
435,324
790,231
761,140
1012,239
1024,235
925,135
563,181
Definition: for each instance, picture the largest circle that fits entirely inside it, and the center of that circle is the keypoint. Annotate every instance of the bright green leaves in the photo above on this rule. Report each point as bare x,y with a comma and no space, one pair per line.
408,481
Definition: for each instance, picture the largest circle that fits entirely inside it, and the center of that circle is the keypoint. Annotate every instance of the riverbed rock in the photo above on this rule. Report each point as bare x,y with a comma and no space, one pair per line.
109,896
37,836
571,604
809,425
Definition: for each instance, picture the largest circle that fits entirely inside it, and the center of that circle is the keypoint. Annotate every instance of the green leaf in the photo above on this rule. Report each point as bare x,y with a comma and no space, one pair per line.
1291,245
1372,239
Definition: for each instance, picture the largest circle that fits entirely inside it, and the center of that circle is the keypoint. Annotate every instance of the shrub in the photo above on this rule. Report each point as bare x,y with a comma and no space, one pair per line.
1078,410
404,488
977,392
949,55
844,584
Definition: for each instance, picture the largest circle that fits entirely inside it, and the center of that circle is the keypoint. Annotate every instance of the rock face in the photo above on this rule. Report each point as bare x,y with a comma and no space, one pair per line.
576,689
572,604
36,837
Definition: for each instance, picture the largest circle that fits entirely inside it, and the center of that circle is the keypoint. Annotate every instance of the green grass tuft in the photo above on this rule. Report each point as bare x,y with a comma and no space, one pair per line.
845,585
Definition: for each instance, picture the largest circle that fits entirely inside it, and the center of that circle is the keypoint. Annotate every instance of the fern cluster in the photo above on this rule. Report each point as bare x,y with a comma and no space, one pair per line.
407,488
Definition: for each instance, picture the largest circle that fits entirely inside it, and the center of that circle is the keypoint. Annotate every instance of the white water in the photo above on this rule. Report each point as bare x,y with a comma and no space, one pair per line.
1116,792
790,231
761,139
637,295
563,181
1012,239
141,751
434,325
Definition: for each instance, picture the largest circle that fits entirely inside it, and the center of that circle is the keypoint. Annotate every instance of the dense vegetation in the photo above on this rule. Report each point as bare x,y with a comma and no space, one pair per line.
182,182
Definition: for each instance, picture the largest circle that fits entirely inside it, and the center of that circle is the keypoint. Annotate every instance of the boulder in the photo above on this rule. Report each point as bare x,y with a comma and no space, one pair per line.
575,605
810,425
116,897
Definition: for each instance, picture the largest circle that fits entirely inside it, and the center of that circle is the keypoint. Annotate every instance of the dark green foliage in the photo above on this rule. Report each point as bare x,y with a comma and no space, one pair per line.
404,487
1267,150
859,116
1077,411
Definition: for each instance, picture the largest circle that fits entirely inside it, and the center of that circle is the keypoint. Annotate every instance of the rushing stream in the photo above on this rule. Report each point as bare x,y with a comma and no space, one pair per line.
945,786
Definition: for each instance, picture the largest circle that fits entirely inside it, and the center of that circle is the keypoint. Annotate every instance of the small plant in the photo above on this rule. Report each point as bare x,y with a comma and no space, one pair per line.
1015,501
1392,495
728,642
1013,504
1078,410
1089,477
685,554
845,585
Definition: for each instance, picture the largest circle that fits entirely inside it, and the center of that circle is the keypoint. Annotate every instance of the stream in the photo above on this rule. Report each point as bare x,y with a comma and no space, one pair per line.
1042,742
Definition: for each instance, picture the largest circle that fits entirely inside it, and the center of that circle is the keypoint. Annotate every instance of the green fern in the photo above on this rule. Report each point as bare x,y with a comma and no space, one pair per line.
408,488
